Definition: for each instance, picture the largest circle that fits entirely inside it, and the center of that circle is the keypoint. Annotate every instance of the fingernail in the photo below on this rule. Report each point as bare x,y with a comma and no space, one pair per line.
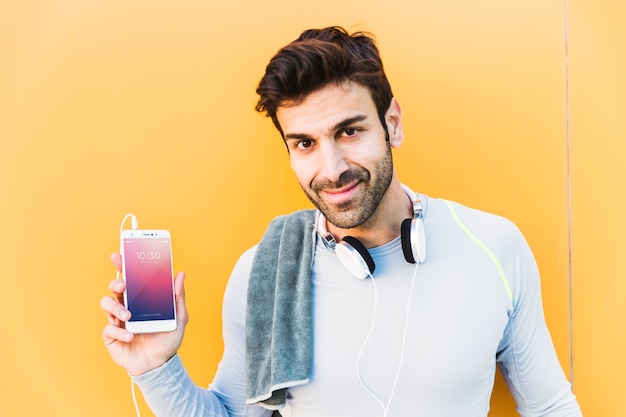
125,315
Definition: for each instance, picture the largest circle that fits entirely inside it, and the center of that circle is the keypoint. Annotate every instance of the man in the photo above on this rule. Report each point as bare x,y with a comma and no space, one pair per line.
448,292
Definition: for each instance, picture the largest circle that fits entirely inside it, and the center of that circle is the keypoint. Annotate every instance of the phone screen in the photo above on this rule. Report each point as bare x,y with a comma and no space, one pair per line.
148,274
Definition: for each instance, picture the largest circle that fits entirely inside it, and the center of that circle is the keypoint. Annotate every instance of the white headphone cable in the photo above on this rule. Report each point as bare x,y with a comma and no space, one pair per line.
402,352
134,226
132,391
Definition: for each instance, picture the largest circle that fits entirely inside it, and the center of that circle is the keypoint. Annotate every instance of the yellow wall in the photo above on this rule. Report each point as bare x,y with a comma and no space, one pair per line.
147,107
598,155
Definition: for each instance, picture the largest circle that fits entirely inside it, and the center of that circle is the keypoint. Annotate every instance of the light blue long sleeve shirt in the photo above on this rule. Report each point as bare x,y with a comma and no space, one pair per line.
437,334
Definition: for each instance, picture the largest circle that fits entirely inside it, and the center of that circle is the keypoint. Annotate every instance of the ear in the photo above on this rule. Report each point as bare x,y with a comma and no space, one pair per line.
393,118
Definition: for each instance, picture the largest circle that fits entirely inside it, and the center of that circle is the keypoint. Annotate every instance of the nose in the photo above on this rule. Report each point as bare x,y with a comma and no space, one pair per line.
332,161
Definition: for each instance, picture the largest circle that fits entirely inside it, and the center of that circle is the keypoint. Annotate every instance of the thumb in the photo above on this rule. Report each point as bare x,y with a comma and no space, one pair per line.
179,291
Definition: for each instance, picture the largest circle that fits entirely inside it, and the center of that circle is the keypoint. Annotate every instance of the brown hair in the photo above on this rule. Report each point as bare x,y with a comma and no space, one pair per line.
320,57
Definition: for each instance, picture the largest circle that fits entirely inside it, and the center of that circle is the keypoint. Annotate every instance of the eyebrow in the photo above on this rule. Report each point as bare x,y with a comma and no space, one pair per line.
341,125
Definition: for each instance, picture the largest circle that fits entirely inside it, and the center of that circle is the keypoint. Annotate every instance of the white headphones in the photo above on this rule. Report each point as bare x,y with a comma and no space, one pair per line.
355,257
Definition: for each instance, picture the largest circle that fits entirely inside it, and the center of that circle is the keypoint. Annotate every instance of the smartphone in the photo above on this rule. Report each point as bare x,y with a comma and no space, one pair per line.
148,271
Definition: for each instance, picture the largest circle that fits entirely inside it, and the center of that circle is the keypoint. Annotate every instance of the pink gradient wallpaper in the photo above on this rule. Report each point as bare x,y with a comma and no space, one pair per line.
148,274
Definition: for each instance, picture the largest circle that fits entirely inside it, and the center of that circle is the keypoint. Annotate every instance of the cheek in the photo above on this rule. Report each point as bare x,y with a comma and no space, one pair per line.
370,157
303,170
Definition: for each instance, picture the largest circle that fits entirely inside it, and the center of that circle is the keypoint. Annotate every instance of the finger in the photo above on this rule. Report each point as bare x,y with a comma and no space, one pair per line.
114,309
116,259
117,286
112,334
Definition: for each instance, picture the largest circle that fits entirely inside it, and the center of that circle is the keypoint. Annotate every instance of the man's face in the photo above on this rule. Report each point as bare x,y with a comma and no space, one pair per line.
338,151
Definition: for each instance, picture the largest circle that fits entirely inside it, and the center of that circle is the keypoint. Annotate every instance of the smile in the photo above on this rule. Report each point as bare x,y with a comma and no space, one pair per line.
341,196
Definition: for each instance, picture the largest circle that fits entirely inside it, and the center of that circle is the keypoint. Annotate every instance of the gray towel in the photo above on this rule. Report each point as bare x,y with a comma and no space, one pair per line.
278,317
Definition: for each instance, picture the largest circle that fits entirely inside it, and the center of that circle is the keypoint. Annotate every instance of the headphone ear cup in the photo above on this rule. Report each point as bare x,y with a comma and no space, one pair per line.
405,238
413,238
354,257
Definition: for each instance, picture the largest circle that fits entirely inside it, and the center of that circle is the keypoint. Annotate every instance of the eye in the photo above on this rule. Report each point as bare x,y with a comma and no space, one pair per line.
349,132
304,144
300,145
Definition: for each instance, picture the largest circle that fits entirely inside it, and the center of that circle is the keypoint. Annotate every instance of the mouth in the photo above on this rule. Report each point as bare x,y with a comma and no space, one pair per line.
341,196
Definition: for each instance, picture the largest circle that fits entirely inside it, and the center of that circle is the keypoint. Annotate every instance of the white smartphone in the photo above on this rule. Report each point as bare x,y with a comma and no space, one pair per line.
148,271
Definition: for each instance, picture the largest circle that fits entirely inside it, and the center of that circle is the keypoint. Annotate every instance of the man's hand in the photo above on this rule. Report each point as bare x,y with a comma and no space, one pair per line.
140,353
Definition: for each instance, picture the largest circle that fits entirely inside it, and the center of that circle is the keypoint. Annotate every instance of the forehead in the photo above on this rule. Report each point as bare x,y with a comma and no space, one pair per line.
326,107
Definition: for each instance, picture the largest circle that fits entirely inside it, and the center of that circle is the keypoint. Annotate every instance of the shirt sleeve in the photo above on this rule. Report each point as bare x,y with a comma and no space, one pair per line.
170,392
527,358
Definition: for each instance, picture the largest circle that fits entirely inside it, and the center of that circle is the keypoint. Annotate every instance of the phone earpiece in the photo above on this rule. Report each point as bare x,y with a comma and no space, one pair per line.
354,256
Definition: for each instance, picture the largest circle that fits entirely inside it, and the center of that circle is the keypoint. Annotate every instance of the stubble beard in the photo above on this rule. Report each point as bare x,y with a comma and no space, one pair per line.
354,212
